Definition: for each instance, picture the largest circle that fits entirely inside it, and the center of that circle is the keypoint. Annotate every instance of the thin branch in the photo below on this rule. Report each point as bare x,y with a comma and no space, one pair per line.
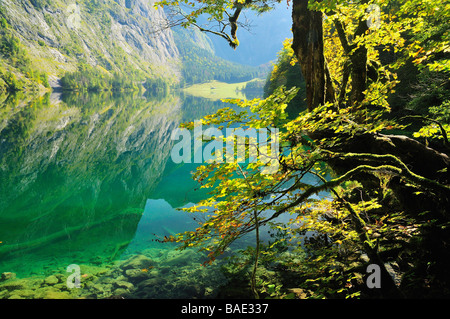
424,118
330,185
342,36
345,78
370,248
258,243
224,35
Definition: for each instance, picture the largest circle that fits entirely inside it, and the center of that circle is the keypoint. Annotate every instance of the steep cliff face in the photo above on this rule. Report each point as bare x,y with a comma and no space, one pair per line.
112,34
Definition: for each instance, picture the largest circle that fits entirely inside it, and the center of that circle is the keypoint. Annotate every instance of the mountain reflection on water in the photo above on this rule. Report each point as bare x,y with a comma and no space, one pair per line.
87,177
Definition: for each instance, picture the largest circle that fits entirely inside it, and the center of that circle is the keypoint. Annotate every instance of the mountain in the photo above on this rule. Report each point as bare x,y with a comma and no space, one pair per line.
114,35
42,40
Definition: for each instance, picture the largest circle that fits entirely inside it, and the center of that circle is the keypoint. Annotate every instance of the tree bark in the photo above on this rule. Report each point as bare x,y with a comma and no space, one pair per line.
308,48
429,167
359,67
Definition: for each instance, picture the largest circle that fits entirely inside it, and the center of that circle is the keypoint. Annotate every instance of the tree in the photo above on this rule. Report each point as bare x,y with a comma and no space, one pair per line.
390,193
223,16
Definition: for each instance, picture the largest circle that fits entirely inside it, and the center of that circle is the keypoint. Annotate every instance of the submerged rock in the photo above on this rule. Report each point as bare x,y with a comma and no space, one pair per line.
7,275
51,280
135,275
124,284
183,258
172,275
56,294
119,293
153,282
14,285
137,262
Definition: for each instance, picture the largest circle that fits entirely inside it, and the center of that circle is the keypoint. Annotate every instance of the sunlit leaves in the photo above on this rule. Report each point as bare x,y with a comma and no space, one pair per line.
238,190
416,30
348,219
437,127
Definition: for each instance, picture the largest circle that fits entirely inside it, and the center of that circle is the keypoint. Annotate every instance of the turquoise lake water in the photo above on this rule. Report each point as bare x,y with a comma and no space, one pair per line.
88,179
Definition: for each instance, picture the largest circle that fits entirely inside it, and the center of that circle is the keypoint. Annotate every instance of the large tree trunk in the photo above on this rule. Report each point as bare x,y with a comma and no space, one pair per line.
359,67
308,48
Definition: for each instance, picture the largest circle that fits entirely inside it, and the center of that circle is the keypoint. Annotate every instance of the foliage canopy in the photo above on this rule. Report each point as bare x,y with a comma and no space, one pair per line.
387,195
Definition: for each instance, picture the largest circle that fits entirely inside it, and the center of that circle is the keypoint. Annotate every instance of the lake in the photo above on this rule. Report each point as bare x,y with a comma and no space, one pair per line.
87,180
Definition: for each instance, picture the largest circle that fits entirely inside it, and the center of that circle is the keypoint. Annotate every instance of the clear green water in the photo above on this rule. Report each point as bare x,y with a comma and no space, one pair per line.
88,180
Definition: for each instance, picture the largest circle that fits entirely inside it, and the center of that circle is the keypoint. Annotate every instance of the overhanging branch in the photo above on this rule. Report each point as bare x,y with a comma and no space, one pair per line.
404,170
332,184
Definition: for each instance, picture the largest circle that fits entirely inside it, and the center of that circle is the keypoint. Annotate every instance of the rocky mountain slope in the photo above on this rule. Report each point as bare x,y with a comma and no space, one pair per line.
112,34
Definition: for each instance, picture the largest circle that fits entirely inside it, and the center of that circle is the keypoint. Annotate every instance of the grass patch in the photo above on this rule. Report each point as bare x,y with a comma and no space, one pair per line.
216,90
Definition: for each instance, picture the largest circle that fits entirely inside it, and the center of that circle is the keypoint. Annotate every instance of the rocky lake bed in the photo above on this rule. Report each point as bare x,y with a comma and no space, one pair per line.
153,274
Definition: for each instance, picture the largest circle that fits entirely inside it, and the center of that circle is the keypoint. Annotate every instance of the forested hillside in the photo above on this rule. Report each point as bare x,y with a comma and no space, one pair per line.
286,72
16,60
200,63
